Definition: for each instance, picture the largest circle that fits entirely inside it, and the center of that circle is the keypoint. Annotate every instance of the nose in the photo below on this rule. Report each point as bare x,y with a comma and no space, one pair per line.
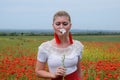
61,25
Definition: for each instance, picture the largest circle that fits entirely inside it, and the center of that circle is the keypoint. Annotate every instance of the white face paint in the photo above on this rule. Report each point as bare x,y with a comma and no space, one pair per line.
62,31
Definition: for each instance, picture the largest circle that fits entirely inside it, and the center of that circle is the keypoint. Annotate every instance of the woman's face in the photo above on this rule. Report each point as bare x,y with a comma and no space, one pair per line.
61,22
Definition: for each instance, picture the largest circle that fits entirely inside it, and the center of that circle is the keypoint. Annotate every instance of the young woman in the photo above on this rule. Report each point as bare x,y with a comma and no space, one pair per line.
62,54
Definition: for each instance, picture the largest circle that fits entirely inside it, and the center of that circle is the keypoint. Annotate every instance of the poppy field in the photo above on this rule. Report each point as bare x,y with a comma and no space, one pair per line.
100,59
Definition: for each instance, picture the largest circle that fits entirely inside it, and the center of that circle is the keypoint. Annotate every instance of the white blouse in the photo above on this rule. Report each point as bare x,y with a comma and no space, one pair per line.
54,56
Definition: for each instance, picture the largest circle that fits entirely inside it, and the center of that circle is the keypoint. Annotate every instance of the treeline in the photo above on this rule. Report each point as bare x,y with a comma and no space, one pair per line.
50,33
24,34
97,33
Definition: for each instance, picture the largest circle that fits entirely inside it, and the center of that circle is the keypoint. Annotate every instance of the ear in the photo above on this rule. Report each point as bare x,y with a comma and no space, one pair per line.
70,26
53,26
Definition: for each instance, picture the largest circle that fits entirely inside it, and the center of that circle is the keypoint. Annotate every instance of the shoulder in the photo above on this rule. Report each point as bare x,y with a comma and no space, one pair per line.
44,44
78,43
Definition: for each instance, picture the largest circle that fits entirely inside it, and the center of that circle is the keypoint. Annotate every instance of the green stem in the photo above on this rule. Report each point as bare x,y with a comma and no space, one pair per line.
63,64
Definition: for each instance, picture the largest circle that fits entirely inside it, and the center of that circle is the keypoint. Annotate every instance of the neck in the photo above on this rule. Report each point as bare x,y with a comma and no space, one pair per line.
64,39
67,38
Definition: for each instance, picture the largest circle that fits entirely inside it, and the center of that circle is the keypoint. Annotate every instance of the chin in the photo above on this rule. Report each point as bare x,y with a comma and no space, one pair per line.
60,34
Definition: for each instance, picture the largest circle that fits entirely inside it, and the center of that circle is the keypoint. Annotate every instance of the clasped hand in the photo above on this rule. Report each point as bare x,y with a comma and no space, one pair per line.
60,71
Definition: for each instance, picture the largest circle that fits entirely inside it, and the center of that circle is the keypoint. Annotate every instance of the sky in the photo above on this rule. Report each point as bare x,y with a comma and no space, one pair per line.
38,14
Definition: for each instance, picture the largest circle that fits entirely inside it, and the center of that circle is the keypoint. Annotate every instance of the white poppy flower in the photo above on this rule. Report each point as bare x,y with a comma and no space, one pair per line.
62,31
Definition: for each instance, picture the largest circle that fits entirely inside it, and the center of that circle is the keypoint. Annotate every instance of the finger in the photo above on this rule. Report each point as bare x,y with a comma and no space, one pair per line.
62,72
62,68
58,73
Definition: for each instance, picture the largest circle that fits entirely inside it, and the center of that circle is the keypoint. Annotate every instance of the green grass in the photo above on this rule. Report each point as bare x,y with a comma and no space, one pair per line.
33,42
111,38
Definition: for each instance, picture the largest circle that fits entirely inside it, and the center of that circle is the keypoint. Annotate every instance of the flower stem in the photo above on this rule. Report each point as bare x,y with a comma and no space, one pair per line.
63,64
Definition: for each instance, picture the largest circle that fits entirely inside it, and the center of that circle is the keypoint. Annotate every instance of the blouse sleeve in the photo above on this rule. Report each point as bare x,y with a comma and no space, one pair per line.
42,54
79,49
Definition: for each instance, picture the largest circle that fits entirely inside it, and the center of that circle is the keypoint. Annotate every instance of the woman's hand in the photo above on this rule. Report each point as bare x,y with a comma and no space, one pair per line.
60,71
